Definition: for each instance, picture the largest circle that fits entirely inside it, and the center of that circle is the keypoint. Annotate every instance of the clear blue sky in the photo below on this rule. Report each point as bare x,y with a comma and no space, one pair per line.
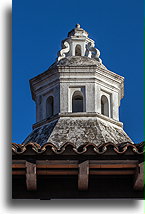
40,25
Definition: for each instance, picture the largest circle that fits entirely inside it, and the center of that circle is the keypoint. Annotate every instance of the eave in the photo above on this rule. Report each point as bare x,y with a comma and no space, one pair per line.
32,163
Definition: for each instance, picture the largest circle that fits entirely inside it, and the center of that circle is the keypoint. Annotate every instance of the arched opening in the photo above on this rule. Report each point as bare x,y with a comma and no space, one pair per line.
78,50
104,106
50,106
77,102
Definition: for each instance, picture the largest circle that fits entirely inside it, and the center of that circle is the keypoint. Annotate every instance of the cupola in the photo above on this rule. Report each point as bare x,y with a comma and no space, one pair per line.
78,89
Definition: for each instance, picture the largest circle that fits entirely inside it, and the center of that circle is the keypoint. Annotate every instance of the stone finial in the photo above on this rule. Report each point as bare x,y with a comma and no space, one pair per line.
78,26
78,37
78,31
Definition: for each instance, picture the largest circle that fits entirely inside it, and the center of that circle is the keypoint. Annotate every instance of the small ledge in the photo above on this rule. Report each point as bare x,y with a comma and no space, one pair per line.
45,121
82,115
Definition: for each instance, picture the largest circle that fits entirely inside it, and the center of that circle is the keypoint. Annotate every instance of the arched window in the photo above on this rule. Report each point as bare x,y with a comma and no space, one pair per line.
50,106
104,106
77,102
78,50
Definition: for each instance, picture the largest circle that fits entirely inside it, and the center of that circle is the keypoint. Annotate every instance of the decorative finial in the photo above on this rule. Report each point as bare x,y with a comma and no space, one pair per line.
78,26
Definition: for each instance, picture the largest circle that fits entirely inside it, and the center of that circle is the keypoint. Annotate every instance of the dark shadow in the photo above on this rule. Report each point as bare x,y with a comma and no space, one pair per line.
8,102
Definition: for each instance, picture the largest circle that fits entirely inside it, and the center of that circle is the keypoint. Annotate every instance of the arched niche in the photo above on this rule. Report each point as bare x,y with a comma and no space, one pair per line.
78,50
50,106
104,106
77,102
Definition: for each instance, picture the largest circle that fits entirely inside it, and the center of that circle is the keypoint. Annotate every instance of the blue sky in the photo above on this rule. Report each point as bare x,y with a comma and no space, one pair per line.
39,27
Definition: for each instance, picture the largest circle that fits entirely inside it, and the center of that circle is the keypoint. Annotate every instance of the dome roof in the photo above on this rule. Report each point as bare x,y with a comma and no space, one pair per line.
78,132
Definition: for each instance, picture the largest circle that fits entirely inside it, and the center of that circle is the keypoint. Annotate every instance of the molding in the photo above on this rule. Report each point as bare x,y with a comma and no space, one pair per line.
82,115
92,115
